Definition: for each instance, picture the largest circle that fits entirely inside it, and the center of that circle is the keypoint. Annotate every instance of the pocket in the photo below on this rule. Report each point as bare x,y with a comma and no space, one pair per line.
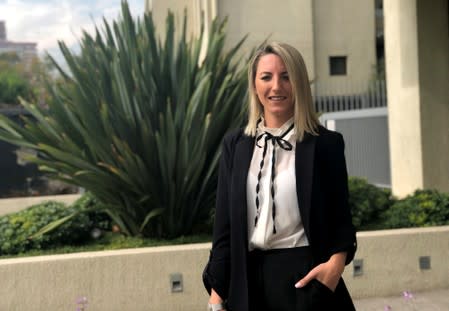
321,286
321,297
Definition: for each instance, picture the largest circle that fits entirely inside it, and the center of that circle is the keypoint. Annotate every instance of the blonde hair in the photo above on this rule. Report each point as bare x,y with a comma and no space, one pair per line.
305,118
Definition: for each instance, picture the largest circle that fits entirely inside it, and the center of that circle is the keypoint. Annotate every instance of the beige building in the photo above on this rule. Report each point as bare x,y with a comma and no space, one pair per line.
342,42
25,50
336,37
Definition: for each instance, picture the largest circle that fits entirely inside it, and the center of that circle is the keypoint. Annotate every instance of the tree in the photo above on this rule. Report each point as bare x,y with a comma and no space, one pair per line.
13,82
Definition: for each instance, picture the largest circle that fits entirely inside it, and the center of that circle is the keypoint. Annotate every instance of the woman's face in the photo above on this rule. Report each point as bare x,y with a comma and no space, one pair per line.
273,89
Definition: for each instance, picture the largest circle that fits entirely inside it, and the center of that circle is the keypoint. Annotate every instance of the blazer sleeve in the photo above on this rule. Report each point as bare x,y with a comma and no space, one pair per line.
217,271
344,234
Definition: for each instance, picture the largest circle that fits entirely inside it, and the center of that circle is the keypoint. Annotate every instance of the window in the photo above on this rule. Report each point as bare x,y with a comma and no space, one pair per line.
337,65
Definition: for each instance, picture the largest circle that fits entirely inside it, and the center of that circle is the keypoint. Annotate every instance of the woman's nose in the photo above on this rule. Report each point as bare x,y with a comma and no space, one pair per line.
276,83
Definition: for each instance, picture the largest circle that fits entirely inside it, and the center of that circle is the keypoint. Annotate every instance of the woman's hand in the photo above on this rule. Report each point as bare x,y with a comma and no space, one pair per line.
215,298
328,273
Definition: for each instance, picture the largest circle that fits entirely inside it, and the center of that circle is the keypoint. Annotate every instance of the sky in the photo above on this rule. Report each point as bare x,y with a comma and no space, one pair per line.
47,21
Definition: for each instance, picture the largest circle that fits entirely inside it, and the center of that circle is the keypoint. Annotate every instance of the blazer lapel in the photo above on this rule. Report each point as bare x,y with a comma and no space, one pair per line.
242,159
304,162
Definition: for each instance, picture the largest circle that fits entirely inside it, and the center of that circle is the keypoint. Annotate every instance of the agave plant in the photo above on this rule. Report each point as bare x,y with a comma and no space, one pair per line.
139,121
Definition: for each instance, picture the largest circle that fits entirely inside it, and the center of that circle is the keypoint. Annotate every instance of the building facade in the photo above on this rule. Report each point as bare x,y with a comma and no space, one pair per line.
25,50
343,45
338,38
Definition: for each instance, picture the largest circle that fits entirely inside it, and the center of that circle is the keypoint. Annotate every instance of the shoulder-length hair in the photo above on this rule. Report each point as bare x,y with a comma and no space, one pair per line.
305,118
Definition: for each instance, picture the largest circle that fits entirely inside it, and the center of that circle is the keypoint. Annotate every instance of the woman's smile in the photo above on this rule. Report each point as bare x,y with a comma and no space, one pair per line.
277,98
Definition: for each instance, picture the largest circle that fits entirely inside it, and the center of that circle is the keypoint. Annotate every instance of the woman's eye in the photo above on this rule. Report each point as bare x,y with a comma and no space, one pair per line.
265,78
286,78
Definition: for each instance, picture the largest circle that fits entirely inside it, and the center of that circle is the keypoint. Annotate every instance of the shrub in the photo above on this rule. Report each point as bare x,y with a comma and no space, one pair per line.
367,203
423,208
139,120
12,85
94,210
17,228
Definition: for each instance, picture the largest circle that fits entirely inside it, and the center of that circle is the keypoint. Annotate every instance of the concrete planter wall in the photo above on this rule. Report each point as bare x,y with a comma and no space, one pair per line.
397,260
13,205
141,279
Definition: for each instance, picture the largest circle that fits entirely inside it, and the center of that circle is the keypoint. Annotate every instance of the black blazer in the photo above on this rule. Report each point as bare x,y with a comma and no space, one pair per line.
322,189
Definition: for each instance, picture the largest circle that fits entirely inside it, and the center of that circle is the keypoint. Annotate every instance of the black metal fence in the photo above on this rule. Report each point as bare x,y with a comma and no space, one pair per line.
374,97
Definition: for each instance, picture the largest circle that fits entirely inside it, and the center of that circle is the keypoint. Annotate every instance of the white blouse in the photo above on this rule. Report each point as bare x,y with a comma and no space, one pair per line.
287,220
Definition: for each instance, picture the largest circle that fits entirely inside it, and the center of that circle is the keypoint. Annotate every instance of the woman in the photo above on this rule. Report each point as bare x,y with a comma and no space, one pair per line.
283,231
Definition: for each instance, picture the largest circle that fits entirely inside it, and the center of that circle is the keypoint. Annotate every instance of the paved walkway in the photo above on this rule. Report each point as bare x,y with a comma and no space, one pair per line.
436,300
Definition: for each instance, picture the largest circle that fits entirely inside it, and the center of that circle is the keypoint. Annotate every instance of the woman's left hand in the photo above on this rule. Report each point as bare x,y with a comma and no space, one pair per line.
328,272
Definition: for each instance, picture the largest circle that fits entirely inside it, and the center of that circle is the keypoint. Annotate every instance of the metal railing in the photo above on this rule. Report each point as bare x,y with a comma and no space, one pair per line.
374,97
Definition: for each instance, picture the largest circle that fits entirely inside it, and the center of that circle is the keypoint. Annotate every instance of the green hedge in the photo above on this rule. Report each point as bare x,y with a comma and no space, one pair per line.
424,208
375,208
372,208
17,228
368,203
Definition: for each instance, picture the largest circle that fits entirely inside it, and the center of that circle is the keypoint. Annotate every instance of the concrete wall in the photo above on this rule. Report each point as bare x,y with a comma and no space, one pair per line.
417,66
289,21
318,29
433,55
111,280
13,205
160,9
139,279
344,28
391,261
293,21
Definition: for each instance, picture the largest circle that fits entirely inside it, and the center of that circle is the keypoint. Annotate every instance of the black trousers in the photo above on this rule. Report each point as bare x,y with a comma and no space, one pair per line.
272,276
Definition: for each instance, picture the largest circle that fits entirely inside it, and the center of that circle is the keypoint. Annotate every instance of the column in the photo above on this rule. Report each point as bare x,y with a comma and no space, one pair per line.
417,68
